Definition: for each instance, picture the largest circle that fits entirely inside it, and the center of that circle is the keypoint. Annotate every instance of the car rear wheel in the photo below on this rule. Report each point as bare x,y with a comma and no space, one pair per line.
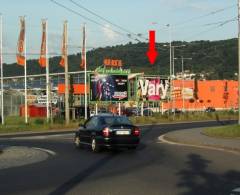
94,146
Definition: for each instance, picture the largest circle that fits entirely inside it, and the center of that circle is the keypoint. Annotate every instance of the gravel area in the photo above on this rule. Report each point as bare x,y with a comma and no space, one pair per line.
14,156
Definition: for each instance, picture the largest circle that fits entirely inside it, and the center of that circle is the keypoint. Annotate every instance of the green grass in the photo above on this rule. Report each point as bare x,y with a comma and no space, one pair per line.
230,131
15,124
186,117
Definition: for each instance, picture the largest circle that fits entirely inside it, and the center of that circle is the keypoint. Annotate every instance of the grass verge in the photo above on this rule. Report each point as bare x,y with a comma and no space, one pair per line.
16,124
183,117
230,131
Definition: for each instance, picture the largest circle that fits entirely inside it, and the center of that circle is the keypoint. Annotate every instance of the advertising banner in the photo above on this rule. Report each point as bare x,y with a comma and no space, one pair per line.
152,89
107,87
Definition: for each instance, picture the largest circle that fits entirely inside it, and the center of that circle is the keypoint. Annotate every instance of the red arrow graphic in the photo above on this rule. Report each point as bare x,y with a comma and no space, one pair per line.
152,53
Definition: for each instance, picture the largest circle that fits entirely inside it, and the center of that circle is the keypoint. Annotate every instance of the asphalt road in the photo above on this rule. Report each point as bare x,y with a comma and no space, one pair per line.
154,168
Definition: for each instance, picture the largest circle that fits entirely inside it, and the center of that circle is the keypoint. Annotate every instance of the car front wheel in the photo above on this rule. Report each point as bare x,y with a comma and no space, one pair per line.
77,142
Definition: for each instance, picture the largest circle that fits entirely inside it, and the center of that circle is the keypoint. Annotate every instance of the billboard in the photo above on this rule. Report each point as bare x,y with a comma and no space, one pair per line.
152,89
108,87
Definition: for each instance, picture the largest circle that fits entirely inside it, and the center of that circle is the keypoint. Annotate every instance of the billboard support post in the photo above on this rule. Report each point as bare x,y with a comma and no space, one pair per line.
119,108
96,108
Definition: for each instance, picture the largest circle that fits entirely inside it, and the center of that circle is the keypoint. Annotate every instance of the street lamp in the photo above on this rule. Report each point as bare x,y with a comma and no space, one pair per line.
183,79
172,70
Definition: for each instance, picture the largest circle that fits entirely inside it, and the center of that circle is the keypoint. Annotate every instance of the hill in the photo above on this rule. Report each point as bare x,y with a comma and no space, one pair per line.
216,59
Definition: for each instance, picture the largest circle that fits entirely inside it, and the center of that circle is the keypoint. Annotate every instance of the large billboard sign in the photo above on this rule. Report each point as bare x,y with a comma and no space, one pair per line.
152,89
108,87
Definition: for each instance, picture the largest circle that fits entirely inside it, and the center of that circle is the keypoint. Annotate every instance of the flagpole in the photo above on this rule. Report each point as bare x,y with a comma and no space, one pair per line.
1,59
85,73
25,74
47,71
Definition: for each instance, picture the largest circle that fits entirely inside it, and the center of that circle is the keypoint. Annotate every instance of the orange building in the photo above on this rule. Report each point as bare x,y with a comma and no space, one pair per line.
191,95
77,88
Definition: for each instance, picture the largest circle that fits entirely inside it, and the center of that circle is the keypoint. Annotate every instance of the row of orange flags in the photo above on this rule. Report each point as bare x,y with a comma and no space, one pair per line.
21,58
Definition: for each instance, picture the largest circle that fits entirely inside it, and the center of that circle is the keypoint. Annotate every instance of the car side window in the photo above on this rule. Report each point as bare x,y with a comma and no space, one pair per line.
92,124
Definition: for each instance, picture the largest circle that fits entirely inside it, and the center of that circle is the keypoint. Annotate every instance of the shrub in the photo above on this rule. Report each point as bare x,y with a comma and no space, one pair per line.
58,120
39,121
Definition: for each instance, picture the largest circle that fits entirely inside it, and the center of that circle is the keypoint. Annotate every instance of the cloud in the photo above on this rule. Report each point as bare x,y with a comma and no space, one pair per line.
109,33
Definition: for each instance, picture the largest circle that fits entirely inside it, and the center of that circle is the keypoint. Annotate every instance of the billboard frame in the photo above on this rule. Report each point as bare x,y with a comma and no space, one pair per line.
120,73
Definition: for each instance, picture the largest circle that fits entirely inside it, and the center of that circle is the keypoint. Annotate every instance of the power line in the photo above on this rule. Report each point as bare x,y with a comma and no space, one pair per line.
207,24
91,20
213,28
104,19
206,15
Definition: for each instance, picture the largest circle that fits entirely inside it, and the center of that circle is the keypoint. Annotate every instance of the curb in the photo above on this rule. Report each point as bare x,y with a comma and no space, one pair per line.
41,133
182,122
72,130
165,139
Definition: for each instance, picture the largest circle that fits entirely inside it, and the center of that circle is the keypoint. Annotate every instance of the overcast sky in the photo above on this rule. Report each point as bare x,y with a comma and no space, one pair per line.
189,19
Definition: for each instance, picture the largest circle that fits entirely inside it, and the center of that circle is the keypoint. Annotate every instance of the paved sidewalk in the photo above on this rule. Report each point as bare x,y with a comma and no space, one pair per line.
195,137
37,133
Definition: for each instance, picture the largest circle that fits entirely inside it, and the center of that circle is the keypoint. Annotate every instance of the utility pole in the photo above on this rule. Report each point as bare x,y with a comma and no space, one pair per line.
238,62
183,79
173,73
67,118
170,64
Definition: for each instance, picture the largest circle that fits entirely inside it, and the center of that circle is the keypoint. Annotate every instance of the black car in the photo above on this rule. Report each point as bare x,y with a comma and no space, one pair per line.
108,131
210,109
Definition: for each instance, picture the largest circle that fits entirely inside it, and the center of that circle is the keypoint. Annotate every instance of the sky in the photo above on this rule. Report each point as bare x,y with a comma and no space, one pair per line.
189,20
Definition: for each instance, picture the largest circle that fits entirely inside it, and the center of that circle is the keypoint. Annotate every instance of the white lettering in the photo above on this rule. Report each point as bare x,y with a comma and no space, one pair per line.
145,87
151,89
154,89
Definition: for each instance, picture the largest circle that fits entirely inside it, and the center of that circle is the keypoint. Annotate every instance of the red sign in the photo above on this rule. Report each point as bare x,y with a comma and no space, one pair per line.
112,63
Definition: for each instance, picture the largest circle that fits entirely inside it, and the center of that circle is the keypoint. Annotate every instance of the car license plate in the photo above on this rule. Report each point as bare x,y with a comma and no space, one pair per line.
122,132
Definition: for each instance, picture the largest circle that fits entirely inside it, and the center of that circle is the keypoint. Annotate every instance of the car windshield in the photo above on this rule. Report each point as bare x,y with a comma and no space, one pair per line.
116,120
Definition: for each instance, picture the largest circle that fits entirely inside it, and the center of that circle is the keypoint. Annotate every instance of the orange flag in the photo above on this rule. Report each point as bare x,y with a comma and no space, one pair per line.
64,48
82,65
21,44
42,59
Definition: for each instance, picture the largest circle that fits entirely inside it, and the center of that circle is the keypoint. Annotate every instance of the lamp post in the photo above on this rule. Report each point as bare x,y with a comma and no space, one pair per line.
171,65
170,62
183,79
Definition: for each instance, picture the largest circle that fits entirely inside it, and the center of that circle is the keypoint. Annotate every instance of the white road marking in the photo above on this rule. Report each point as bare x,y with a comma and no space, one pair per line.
162,140
235,191
46,150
